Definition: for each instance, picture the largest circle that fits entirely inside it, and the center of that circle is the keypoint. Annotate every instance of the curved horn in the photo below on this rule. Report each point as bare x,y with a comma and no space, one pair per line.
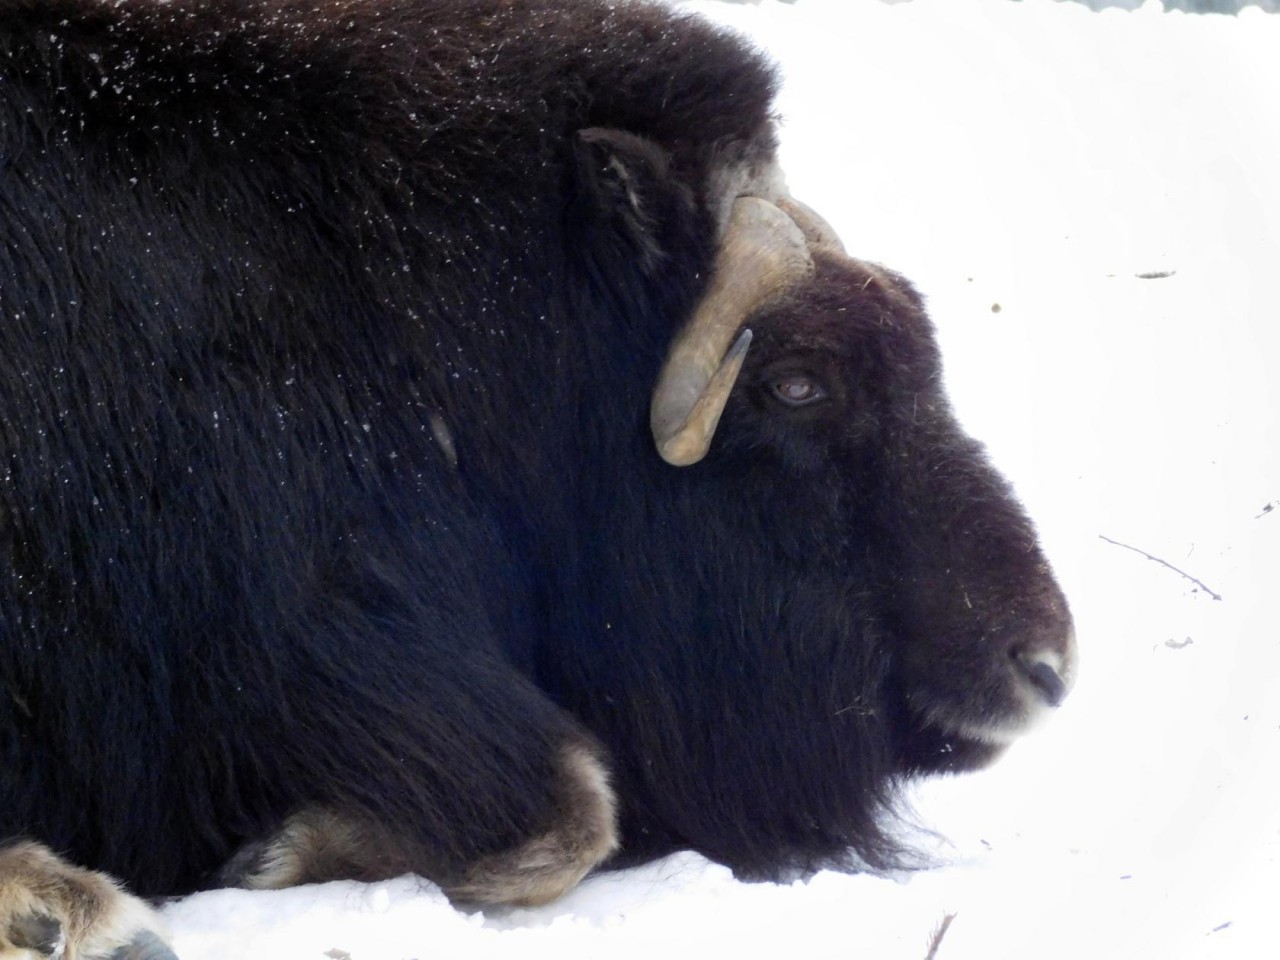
762,253
820,234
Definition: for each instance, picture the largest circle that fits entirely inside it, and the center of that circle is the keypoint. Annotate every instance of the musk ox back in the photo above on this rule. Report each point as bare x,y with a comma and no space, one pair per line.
434,440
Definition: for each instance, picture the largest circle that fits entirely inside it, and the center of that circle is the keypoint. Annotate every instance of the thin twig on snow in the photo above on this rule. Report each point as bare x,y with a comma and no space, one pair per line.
1165,563
936,940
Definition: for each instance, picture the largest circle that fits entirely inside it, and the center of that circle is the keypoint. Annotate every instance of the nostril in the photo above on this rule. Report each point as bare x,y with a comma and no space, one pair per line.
1043,669
1046,680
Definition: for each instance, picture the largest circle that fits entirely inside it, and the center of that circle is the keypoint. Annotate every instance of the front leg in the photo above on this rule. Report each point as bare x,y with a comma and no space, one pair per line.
317,845
61,912
582,833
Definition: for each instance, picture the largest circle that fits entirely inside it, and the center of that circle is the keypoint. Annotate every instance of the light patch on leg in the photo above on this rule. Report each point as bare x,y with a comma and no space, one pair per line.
317,846
52,909
549,865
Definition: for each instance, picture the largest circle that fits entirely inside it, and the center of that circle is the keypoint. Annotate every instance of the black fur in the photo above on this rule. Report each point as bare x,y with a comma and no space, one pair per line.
253,253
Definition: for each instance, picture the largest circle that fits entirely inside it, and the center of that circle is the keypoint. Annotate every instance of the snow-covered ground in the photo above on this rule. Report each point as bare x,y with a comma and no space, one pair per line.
1091,204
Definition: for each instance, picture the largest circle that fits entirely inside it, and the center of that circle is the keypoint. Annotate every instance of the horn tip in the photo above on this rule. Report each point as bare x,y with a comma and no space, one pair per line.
682,450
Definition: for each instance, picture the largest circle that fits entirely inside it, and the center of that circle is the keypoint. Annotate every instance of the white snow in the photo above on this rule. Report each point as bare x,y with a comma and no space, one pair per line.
1040,157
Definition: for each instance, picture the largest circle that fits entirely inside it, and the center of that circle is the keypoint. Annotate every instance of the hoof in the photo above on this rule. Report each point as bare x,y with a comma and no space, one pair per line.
38,933
56,911
145,946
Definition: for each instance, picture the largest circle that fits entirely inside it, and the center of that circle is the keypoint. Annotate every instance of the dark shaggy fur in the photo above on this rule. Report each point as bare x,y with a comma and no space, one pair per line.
259,259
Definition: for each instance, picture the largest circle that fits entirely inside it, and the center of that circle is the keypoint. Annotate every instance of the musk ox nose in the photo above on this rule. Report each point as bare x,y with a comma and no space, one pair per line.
1047,665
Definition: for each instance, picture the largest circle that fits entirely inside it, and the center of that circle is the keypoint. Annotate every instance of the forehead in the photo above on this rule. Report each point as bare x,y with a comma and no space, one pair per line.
850,309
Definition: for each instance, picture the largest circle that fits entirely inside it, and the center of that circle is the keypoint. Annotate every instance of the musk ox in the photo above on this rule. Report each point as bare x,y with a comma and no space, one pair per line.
434,440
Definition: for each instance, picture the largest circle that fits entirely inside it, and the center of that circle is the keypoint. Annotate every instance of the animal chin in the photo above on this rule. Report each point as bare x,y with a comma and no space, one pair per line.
937,749
994,732
994,725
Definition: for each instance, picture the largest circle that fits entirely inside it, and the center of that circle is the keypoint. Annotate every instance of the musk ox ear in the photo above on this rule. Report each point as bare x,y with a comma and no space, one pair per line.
628,188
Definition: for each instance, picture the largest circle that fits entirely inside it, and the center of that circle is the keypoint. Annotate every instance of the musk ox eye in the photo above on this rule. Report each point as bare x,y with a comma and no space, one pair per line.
797,391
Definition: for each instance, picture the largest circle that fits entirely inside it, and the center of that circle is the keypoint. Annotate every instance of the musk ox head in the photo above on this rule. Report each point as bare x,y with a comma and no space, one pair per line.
850,594
847,377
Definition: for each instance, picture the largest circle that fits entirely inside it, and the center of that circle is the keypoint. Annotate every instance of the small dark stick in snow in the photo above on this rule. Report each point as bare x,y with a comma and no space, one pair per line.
936,940
1164,563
